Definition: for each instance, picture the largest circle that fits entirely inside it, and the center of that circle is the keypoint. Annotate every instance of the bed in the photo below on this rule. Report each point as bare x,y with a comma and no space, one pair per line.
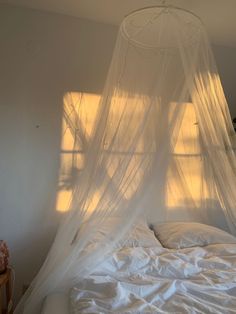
194,273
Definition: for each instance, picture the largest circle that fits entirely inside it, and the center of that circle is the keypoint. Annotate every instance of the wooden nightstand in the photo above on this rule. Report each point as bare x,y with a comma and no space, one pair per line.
6,284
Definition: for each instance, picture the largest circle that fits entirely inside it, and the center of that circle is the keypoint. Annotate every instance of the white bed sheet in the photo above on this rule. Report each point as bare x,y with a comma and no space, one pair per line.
158,280
56,304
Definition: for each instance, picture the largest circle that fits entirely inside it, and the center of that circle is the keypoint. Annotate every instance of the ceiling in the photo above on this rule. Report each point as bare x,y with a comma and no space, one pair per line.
219,16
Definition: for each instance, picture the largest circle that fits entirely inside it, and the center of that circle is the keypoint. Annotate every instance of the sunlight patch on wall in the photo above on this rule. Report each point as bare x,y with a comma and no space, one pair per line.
186,168
80,112
63,200
79,115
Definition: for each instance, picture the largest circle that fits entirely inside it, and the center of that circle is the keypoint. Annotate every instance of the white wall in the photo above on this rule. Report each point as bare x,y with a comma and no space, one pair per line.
226,63
42,57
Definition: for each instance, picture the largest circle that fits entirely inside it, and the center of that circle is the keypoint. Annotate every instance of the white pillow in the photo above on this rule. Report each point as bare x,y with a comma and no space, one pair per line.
140,234
177,235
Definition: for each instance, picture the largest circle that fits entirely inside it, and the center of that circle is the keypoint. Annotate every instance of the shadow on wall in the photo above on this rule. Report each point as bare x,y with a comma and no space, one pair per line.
42,56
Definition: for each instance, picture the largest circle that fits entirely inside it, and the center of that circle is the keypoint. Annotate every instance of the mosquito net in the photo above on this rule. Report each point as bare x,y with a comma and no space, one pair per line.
162,144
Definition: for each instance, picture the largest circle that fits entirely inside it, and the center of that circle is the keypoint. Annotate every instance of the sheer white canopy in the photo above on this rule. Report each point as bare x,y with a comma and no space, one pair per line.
162,142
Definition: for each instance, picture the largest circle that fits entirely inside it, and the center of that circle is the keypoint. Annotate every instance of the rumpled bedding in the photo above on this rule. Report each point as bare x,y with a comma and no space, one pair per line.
158,280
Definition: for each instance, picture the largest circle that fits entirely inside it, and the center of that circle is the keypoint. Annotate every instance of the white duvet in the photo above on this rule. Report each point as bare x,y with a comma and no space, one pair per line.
158,280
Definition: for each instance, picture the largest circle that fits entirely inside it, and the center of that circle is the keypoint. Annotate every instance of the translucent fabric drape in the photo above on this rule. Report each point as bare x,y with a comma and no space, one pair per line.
161,143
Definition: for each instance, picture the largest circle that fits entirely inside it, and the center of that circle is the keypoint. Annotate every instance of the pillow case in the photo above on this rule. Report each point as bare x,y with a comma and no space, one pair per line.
178,235
140,235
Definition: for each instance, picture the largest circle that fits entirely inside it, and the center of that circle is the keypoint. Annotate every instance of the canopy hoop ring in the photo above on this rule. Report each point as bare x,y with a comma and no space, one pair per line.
162,7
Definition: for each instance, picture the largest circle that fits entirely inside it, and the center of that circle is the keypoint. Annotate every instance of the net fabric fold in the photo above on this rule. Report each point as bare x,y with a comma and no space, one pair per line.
162,141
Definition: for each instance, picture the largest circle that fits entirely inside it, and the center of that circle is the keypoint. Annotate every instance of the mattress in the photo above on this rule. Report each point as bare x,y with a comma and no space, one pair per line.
56,304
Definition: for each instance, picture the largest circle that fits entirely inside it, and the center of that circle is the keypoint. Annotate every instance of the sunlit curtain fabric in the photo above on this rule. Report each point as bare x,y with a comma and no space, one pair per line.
161,143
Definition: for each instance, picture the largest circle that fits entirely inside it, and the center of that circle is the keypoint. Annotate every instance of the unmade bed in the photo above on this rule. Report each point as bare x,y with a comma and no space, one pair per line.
196,275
